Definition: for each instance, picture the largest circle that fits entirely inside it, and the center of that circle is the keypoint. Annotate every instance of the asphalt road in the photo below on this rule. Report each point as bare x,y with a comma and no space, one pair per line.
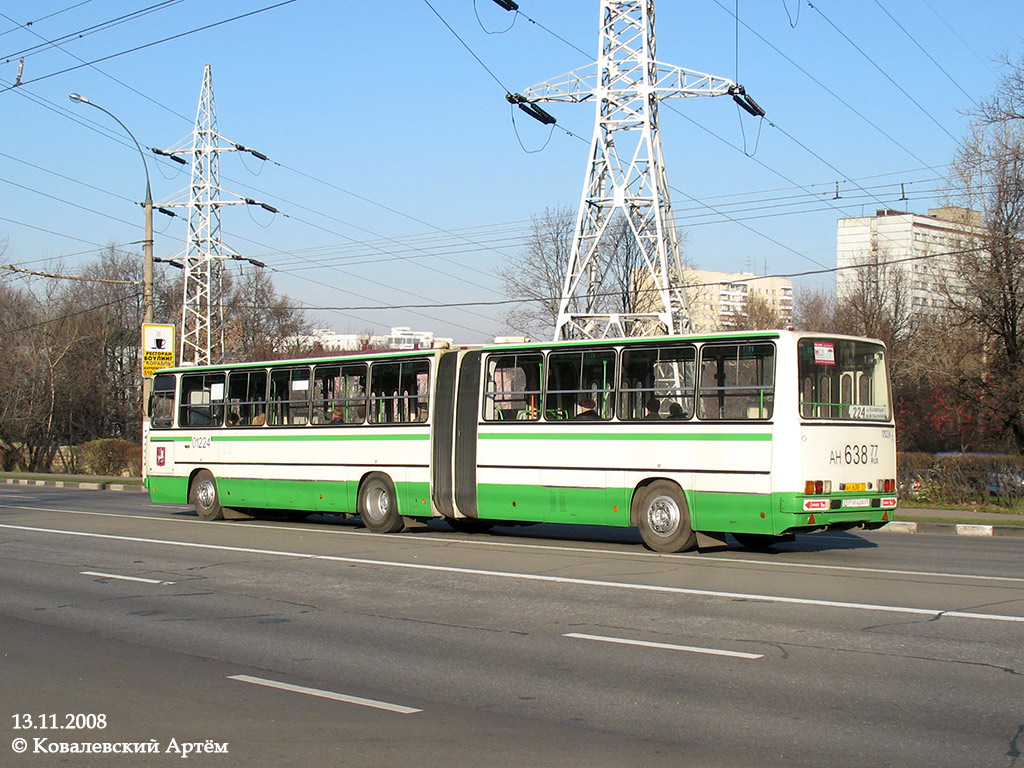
319,643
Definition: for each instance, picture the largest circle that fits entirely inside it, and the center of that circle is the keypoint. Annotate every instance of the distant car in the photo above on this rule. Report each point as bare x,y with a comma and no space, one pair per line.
1006,482
911,484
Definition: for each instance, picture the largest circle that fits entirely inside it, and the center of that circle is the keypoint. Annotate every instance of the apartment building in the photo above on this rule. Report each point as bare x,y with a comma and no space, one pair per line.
921,249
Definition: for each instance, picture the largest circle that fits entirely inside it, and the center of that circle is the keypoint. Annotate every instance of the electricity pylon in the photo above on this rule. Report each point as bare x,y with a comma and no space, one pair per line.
202,312
626,174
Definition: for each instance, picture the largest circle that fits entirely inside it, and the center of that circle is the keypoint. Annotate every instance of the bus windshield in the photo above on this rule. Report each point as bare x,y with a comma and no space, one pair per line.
843,379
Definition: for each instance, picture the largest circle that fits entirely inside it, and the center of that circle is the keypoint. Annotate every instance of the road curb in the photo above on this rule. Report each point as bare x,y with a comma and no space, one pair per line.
80,485
955,529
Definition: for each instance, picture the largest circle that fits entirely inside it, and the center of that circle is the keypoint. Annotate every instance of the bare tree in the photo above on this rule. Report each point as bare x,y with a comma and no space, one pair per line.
535,277
876,303
757,314
259,322
987,291
814,310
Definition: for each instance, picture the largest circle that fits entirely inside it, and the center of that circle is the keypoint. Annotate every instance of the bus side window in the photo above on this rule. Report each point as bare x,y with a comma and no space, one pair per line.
399,391
202,400
737,381
289,397
512,390
574,377
339,394
657,383
247,397
161,402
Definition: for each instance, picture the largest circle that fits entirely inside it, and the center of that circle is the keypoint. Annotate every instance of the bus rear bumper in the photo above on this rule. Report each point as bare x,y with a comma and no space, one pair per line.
810,513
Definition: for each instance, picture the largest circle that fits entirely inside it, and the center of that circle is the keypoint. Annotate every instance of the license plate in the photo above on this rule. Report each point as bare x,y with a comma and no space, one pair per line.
855,487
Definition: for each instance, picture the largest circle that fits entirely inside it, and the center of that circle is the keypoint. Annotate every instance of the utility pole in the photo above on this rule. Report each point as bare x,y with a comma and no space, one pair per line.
626,174
202,318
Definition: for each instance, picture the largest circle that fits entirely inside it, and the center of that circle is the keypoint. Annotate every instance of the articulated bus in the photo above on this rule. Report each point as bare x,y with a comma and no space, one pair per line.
758,434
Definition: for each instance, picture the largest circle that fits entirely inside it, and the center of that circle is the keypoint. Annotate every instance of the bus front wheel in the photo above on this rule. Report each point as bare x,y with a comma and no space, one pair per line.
663,518
204,497
378,505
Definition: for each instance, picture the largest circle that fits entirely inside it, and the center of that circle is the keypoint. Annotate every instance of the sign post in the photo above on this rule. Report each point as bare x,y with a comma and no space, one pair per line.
157,348
157,353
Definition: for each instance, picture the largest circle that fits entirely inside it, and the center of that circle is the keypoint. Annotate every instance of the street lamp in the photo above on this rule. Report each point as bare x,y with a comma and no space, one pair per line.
147,244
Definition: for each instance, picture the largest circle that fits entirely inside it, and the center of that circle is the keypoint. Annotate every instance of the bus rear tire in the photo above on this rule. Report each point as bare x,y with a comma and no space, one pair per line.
663,518
204,497
378,504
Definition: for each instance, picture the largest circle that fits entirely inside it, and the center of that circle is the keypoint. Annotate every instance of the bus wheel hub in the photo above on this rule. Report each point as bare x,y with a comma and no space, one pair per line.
663,515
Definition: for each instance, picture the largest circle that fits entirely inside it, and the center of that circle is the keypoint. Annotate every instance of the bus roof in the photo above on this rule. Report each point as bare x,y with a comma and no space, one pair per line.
341,357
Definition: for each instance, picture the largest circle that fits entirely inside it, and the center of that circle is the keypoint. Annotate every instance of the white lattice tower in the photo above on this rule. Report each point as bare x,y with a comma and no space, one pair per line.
202,340
626,175
202,312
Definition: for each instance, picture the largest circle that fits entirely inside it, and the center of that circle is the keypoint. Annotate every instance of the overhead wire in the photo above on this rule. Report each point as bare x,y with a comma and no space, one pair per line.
81,33
745,279
466,46
923,50
951,28
476,11
882,71
144,46
499,82
825,88
44,18
748,206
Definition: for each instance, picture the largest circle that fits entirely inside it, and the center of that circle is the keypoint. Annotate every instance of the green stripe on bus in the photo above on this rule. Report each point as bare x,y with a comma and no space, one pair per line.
693,437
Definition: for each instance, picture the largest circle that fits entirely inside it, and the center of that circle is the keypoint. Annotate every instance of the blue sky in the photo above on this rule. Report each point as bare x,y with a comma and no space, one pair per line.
400,171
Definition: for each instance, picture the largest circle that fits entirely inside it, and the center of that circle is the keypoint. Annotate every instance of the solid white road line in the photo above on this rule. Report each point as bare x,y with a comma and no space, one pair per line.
929,612
123,578
666,646
325,694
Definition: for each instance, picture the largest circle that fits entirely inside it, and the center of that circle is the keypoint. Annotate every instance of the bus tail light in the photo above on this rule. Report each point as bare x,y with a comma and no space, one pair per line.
887,486
817,487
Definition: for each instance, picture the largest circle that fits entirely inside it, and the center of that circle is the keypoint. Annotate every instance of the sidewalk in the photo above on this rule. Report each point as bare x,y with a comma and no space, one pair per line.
83,482
960,522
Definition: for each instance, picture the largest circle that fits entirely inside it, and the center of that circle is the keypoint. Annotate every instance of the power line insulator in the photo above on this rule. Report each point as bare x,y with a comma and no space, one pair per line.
173,157
508,5
747,104
530,108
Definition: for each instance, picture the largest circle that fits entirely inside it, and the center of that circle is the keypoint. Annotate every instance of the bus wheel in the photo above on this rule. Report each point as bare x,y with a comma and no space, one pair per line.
378,506
663,518
203,496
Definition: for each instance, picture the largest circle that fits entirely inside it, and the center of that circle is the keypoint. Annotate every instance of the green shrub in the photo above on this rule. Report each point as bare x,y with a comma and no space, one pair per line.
962,478
112,458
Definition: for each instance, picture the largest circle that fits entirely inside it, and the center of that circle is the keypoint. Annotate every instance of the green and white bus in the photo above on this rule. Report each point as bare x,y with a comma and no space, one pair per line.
757,434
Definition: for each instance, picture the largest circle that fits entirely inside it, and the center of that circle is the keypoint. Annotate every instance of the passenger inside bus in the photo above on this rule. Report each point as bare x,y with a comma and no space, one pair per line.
587,412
